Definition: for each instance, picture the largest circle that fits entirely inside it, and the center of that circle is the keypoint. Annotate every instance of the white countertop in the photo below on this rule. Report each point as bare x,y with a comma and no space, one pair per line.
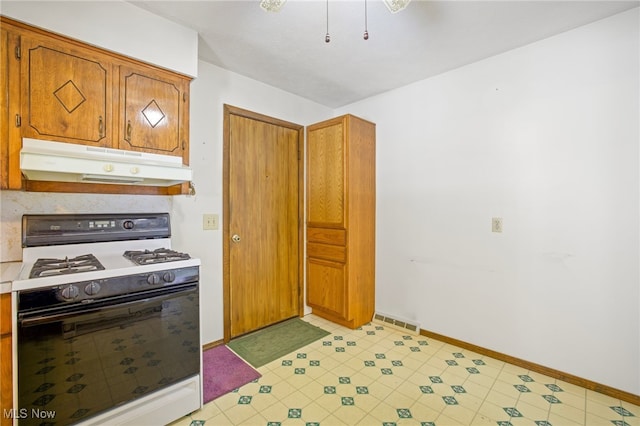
9,271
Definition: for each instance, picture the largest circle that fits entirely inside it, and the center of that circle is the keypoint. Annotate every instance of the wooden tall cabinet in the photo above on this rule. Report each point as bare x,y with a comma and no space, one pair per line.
341,188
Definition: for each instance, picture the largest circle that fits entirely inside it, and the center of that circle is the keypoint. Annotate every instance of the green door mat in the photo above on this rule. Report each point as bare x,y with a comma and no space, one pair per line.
263,346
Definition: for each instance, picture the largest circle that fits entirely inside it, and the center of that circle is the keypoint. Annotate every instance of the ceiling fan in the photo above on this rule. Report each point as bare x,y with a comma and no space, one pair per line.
393,6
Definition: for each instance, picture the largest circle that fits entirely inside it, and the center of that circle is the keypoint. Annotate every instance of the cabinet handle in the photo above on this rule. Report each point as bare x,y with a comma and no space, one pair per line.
127,135
100,127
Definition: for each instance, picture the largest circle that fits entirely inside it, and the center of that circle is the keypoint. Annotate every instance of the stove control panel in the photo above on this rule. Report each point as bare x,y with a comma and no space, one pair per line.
94,290
47,230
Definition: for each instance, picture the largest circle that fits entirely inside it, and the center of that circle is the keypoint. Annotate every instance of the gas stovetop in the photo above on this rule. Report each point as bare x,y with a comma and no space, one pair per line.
46,267
62,249
161,255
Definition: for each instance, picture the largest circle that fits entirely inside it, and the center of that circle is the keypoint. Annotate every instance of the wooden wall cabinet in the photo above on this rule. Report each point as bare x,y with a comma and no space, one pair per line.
59,89
6,368
66,92
341,181
10,135
153,113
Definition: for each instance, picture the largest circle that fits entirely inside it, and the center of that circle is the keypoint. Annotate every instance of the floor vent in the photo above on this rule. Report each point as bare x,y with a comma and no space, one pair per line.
411,327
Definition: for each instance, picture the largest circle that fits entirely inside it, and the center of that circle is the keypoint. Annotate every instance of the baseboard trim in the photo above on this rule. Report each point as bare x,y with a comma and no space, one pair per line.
556,374
212,344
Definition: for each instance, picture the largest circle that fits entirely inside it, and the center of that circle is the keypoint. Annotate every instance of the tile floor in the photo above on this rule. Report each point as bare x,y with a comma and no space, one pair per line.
378,375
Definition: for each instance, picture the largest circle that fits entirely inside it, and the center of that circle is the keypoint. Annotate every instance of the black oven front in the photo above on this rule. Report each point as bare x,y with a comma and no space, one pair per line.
76,360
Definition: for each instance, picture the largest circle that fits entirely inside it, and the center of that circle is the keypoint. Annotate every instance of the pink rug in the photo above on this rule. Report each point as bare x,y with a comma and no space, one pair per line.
223,371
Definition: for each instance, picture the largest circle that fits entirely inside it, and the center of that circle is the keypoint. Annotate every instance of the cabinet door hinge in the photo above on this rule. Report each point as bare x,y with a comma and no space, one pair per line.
18,120
18,52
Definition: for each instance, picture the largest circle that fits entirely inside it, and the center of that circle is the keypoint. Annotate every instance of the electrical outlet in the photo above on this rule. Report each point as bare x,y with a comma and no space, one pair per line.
209,221
496,224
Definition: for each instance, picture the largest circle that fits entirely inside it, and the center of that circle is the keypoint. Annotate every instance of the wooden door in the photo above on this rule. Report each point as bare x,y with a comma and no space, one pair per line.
262,217
66,93
151,112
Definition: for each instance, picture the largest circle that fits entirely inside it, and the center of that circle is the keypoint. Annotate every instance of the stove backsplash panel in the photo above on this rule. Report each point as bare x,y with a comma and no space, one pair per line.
13,204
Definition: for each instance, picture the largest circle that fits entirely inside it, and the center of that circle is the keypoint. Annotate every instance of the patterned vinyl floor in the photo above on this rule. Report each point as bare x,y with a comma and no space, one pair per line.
378,375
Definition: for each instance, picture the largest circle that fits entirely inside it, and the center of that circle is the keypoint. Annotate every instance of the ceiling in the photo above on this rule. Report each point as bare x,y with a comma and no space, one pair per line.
287,49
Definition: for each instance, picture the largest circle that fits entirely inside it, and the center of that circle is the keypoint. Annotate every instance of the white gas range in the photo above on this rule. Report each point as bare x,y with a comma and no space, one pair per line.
107,326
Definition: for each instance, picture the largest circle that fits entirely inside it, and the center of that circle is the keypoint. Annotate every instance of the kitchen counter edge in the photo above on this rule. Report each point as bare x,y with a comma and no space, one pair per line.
9,271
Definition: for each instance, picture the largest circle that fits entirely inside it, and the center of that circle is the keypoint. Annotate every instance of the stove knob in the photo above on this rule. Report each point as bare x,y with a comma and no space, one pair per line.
168,276
153,279
70,292
92,288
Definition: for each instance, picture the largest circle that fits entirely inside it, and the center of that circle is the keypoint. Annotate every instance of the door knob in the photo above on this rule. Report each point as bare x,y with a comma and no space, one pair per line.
235,238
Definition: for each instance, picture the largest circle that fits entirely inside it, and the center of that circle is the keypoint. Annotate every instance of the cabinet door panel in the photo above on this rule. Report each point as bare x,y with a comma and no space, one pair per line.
325,174
327,251
326,286
10,175
5,313
327,236
151,107
67,93
6,380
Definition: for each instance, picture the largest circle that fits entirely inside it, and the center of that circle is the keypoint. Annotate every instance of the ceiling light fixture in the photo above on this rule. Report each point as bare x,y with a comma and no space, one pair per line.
272,5
396,5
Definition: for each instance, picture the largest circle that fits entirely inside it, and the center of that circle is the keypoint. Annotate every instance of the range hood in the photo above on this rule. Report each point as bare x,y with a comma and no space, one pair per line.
65,162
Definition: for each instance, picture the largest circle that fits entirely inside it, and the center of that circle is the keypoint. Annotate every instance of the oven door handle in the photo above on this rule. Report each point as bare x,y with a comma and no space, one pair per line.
88,314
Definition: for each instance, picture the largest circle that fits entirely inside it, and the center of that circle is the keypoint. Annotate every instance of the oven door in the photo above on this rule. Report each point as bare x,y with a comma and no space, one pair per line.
83,360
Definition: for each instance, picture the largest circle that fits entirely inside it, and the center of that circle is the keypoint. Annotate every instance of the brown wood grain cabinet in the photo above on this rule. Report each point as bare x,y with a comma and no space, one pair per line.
10,135
341,205
154,112
66,92
60,89
6,380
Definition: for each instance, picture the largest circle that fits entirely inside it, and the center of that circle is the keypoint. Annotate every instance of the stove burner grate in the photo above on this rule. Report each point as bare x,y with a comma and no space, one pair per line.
161,255
46,267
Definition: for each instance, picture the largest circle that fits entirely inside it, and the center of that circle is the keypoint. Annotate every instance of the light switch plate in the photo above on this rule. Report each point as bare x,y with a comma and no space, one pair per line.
209,222
496,224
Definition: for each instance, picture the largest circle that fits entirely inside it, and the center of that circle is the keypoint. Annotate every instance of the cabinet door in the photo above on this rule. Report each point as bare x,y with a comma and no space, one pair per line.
66,93
326,177
10,175
6,378
152,115
327,287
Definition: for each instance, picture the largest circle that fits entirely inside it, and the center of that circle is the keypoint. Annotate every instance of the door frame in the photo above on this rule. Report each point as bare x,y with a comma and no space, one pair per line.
226,238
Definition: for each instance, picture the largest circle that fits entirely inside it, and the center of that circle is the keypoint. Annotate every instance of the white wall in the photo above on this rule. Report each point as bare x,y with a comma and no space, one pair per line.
546,137
213,88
